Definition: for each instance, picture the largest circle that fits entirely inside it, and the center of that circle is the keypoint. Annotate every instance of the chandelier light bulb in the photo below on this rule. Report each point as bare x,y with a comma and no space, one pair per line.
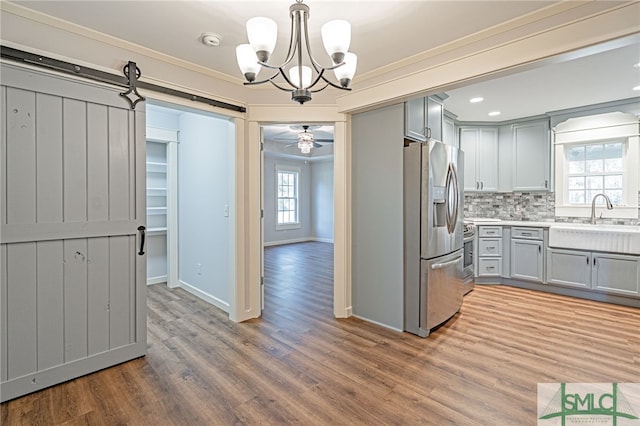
262,33
336,37
247,61
294,76
345,73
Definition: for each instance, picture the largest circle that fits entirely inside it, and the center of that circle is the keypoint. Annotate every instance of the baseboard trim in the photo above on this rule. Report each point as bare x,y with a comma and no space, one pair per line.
205,296
298,240
157,280
378,323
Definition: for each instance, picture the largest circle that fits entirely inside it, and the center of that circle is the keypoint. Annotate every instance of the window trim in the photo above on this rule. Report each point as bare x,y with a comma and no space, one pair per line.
627,210
293,225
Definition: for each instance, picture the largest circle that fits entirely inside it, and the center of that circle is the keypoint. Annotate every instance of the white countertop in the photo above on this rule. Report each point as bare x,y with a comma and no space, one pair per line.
479,221
488,222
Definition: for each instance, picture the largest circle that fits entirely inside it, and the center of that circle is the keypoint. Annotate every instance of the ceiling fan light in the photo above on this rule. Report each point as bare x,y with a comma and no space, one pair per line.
262,33
247,61
294,76
336,37
345,73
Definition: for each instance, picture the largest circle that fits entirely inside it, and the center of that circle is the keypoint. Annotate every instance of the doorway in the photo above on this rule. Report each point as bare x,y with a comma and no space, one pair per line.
190,199
297,193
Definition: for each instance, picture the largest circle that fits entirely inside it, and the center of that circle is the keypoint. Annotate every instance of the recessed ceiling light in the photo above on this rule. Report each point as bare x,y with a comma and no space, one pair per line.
476,100
494,113
636,88
637,65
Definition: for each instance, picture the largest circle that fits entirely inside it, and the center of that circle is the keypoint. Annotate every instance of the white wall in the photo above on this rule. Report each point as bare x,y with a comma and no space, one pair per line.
204,158
322,200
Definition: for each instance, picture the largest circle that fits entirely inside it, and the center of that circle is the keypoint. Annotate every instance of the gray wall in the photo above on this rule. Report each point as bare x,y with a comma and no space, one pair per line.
377,229
271,235
204,181
322,200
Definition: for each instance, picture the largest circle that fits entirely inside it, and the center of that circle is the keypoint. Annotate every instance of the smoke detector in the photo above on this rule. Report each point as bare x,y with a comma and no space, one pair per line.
211,39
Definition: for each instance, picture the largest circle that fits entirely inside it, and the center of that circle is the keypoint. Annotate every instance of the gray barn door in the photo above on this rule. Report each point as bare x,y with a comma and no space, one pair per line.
72,182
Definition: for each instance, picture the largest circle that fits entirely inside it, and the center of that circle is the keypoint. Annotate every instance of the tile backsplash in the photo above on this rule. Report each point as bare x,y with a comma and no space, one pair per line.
527,206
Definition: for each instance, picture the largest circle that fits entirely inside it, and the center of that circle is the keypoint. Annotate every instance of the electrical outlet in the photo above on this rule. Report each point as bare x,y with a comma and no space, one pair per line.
199,268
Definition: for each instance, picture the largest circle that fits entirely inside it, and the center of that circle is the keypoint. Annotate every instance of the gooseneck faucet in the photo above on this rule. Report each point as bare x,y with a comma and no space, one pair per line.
593,206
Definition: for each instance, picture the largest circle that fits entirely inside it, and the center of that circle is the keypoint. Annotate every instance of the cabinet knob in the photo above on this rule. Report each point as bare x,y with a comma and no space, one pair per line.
546,183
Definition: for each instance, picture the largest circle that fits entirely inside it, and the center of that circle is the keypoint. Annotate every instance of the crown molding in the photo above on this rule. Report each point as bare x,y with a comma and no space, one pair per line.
487,33
23,12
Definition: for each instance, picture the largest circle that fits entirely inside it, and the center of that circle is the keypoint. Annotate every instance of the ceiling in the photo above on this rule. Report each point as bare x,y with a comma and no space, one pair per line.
383,32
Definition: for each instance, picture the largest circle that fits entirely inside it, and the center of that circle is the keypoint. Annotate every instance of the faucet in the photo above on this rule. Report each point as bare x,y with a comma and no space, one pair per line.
593,206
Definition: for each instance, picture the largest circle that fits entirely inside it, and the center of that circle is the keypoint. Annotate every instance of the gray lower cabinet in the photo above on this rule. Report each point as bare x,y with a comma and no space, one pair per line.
616,273
489,251
570,268
608,272
526,260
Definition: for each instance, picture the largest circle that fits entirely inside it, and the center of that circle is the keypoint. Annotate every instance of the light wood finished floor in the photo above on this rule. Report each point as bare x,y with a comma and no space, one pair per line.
300,365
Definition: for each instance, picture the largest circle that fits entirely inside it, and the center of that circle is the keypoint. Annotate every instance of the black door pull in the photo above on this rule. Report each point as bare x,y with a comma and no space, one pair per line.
141,230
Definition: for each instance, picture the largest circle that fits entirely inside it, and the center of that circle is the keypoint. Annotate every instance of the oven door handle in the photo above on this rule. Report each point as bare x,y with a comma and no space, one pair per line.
445,264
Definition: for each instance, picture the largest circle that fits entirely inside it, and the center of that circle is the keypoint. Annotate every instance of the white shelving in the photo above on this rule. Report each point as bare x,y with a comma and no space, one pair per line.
157,211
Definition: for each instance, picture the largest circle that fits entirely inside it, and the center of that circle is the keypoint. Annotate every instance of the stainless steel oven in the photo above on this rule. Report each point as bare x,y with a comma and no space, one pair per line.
467,262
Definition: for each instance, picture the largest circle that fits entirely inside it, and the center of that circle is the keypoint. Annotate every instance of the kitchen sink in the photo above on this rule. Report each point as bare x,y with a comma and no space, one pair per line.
607,238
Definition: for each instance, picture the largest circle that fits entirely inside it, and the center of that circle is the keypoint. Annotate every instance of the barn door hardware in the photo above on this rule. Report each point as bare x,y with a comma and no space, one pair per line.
132,73
130,81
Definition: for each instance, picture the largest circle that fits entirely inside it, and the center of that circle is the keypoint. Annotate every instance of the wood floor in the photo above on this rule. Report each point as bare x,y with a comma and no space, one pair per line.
300,365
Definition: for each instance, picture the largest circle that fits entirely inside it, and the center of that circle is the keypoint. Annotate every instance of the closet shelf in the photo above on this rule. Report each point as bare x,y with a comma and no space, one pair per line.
156,210
156,231
155,167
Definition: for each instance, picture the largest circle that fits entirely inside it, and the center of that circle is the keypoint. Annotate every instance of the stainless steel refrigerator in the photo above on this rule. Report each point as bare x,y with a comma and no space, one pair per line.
433,234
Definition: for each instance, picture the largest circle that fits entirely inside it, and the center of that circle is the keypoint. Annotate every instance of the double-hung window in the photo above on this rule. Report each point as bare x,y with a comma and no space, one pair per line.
597,154
595,168
287,205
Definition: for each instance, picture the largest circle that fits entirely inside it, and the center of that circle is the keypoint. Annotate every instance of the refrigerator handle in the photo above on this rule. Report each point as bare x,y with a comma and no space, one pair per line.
445,264
452,213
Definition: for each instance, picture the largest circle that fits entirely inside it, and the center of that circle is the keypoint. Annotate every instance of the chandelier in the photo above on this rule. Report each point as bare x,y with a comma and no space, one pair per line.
305,141
301,79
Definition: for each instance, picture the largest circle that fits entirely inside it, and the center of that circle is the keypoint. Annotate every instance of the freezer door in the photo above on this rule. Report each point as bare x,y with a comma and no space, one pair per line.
442,289
442,200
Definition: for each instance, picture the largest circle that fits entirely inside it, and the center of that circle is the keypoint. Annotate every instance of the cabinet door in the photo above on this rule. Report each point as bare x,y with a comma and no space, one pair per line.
468,144
526,259
531,146
616,273
570,268
415,120
487,159
434,119
448,132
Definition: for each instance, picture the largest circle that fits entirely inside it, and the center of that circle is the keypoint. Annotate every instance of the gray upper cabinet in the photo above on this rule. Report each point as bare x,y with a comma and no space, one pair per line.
423,119
480,146
531,149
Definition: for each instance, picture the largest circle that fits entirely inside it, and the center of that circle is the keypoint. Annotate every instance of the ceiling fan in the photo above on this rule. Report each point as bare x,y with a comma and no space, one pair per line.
306,140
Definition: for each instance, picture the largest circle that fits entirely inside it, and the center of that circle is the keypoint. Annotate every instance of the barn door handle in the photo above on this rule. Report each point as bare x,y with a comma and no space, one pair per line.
141,230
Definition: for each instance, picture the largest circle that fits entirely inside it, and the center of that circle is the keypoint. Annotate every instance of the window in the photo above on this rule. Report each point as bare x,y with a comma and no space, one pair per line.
593,169
287,199
597,154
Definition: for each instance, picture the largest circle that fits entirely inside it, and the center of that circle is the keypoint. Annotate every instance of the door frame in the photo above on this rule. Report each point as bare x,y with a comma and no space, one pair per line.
266,114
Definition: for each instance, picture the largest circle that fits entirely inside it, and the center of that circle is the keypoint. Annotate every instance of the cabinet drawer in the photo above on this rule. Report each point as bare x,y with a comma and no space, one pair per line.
489,267
527,233
490,231
490,247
